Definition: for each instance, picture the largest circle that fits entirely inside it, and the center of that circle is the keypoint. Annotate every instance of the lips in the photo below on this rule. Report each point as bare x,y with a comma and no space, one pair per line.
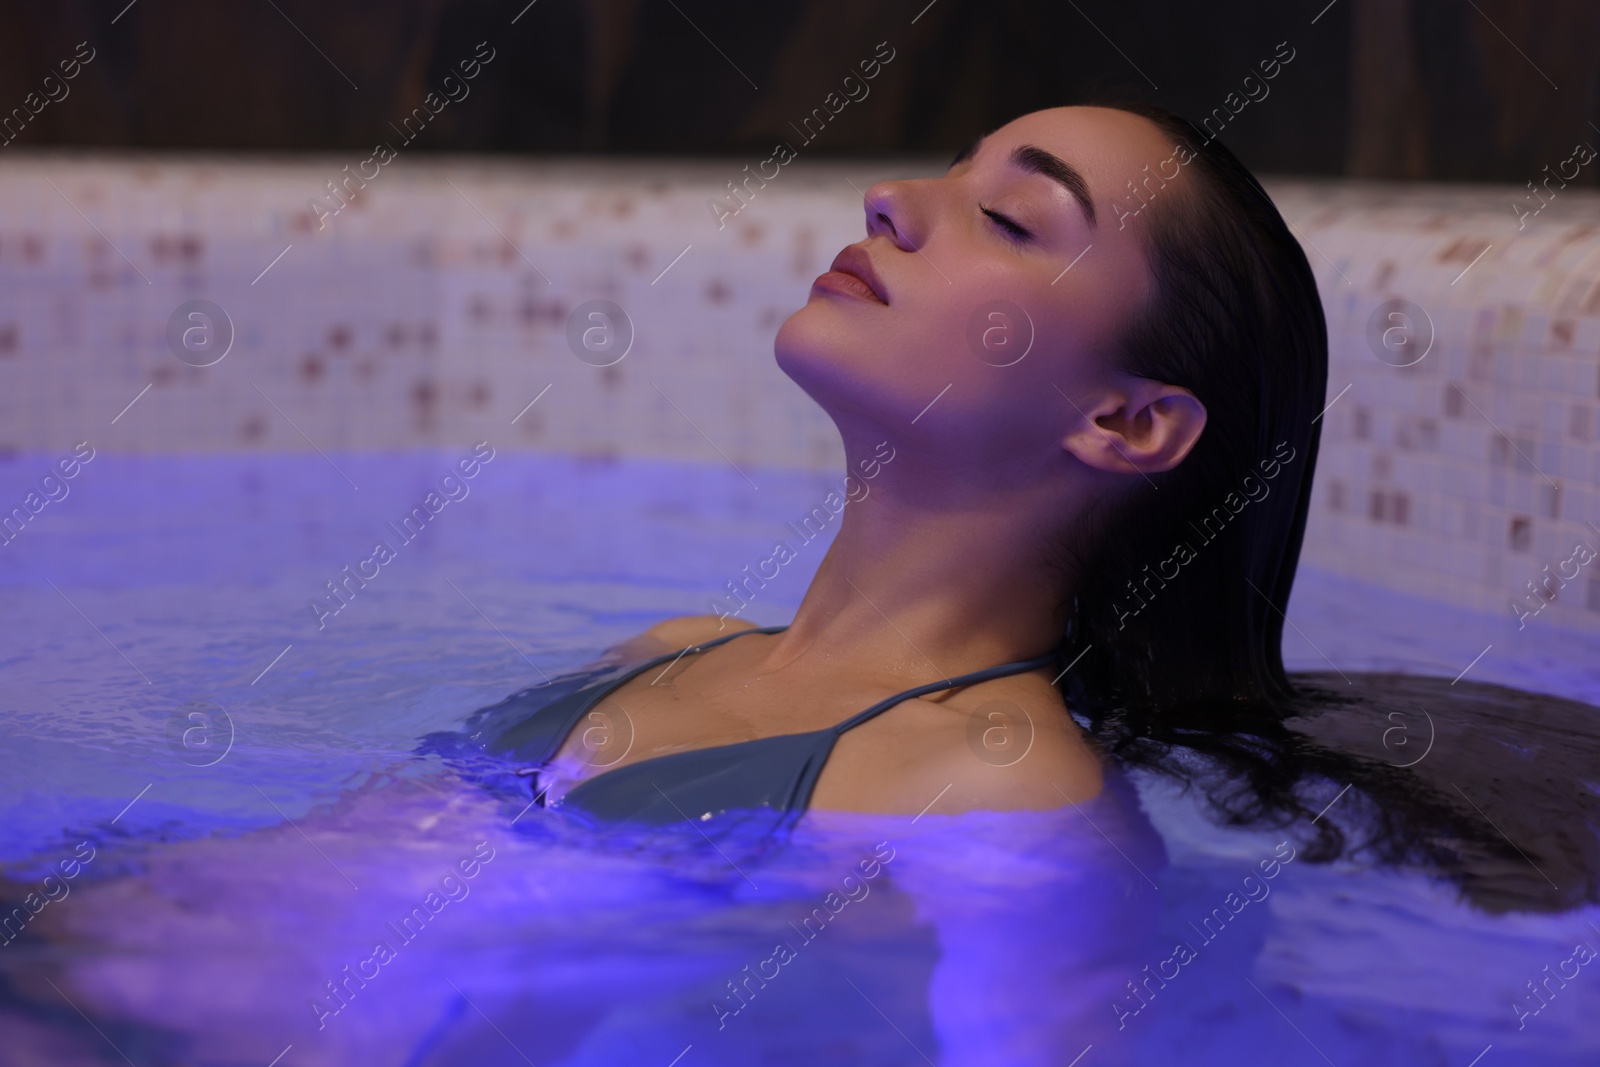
852,272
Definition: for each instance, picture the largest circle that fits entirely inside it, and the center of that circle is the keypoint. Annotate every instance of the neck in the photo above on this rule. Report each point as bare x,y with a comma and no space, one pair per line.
932,576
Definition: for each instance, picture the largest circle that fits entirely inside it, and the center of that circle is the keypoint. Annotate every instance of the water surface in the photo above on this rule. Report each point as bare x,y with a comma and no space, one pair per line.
246,783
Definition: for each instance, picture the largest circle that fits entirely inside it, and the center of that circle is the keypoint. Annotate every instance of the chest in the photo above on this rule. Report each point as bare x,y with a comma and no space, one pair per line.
898,753
675,708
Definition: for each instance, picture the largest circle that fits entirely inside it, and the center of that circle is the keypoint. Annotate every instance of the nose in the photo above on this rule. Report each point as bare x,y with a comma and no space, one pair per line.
893,211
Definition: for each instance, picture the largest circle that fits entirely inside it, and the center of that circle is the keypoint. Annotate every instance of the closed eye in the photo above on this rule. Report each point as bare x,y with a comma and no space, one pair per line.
1012,230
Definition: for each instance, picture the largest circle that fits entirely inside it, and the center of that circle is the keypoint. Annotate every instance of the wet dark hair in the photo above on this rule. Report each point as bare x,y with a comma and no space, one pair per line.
1235,318
1180,587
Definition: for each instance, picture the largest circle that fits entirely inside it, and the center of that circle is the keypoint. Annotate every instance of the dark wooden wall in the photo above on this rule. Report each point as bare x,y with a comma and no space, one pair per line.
1486,90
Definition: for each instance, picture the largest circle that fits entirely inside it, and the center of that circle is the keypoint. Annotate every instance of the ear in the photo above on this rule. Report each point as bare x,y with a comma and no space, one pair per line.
1138,426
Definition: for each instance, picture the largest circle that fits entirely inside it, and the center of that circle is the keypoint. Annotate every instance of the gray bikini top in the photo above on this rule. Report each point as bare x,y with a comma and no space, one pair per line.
776,773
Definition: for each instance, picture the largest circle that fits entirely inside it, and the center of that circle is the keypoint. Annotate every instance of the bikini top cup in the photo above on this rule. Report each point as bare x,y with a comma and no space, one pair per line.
775,773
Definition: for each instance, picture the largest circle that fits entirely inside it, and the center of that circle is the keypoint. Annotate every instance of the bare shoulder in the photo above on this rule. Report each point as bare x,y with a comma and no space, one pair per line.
1011,744
670,635
1004,745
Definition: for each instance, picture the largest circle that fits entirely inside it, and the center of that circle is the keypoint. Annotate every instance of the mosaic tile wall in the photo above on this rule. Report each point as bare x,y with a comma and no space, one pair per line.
433,307
1460,457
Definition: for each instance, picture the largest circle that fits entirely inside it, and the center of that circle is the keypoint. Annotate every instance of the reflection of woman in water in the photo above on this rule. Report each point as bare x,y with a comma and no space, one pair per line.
1098,356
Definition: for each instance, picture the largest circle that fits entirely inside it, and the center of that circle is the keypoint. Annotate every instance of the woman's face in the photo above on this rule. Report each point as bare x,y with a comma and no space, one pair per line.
967,267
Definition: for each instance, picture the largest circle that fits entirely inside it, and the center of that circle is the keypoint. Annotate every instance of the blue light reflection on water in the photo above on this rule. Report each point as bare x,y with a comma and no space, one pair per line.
986,940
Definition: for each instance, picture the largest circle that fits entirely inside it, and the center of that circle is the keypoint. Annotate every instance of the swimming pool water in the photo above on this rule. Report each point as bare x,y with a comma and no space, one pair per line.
242,773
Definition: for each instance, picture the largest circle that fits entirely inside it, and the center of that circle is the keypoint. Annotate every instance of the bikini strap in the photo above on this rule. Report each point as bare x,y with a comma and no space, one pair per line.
987,674
1018,667
617,682
729,637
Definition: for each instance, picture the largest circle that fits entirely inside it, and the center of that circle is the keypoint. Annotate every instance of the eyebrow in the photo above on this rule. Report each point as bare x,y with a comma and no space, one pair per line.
1036,160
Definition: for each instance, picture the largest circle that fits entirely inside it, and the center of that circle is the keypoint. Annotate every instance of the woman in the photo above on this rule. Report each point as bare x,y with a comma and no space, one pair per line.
1091,340
1119,508
1098,358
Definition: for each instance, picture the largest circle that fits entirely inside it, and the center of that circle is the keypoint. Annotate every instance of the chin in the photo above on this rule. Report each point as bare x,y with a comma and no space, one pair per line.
846,368
814,359
804,349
